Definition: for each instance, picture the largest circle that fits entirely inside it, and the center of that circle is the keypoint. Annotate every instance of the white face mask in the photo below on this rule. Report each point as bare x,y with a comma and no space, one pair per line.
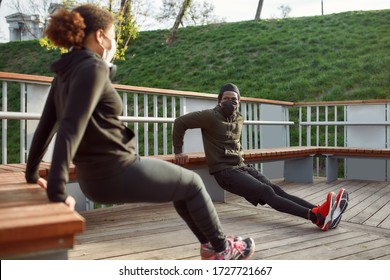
108,54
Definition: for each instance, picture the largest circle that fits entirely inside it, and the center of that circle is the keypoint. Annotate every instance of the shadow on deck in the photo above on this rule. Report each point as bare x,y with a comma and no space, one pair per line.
155,231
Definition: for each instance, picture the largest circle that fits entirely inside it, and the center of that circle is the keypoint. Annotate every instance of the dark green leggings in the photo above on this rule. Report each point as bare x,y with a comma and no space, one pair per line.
152,180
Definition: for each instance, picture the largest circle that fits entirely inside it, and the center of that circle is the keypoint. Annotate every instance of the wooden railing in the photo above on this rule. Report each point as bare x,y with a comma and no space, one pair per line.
150,112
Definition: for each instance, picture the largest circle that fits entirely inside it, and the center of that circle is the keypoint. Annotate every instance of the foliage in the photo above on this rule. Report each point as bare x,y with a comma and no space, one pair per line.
285,10
197,13
126,27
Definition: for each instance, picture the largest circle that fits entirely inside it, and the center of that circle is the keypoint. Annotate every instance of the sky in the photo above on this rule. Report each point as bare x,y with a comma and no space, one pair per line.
233,10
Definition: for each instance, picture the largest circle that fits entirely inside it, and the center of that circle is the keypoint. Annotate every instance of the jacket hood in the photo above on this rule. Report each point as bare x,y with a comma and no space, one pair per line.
69,61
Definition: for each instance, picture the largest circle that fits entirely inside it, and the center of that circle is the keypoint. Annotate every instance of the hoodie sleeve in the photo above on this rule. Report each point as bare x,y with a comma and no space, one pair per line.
42,137
198,119
85,90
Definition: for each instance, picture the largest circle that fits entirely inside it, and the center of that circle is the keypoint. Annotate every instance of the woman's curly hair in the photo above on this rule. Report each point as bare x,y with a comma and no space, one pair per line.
69,28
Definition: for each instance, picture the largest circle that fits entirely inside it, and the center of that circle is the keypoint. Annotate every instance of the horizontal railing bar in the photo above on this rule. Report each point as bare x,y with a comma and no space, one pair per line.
19,116
248,122
36,116
146,119
342,102
344,123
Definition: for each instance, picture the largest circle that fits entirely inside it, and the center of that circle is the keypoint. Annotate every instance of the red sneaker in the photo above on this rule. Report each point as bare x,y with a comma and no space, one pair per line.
341,205
236,250
207,251
325,211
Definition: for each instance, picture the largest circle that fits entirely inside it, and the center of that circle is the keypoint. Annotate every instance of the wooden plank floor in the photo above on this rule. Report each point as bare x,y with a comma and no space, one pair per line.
155,231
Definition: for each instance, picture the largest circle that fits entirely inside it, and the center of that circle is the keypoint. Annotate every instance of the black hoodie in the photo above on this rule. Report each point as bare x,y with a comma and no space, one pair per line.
82,108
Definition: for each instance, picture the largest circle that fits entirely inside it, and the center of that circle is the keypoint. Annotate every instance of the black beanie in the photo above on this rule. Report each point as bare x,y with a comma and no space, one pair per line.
228,87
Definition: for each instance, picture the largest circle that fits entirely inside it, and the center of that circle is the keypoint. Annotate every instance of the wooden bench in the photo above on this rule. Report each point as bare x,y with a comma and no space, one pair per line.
32,227
298,161
332,155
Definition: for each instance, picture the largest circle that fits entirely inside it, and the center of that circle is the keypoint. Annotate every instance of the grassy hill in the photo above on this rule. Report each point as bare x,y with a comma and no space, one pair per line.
335,57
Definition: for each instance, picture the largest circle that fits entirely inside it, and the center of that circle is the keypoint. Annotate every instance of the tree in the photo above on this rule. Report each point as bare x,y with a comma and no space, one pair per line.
127,28
259,8
172,35
200,14
197,13
285,10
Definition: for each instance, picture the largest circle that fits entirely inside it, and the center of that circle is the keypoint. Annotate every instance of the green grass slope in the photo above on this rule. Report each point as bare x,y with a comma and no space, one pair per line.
335,57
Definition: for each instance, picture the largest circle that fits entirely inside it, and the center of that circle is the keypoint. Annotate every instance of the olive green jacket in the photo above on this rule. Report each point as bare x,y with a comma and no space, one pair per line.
221,137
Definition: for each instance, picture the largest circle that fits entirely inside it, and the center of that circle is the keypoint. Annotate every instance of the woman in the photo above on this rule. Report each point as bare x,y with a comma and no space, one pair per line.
82,108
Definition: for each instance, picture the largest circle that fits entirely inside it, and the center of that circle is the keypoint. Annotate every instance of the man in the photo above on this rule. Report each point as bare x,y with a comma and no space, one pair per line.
221,132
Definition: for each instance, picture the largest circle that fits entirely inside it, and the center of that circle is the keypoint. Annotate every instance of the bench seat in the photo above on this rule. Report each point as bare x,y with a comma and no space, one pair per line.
31,227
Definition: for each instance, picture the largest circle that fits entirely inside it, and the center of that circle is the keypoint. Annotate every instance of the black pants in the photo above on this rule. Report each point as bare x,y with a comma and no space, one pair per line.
152,180
249,183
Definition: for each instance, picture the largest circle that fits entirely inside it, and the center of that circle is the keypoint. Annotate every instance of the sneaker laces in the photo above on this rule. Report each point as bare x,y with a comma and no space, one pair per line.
239,246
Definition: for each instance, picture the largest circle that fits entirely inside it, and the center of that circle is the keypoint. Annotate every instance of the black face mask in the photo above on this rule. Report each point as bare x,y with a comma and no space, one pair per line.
229,107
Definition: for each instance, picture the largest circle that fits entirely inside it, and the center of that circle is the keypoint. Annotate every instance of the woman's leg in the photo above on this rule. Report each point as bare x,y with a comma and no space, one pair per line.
152,180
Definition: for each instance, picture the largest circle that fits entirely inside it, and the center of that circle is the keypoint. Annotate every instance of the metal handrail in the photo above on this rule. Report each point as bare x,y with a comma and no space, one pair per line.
36,116
345,123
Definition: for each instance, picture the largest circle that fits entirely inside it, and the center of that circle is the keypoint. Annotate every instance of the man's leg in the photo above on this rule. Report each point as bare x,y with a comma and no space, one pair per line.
239,181
278,190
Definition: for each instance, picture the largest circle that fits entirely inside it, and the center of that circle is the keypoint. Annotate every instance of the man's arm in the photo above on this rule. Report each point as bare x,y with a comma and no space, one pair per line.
196,119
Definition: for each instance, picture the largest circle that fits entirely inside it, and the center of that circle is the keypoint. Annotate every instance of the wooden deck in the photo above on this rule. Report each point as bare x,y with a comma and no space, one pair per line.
155,231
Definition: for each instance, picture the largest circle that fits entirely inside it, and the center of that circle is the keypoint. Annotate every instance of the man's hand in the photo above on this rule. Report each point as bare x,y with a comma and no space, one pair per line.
181,159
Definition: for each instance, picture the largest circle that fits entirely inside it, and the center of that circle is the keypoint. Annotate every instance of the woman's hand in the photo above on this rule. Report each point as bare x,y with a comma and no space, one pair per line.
42,182
70,202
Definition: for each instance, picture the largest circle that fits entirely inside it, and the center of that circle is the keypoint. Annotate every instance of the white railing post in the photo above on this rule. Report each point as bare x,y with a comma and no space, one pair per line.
4,123
317,139
335,127
250,128
165,126
136,126
173,113
300,126
244,134
23,123
287,119
155,125
256,127
308,128
146,125
326,127
124,106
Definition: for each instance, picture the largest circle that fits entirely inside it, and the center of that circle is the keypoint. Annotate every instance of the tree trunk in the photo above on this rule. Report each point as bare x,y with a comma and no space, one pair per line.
259,8
172,35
